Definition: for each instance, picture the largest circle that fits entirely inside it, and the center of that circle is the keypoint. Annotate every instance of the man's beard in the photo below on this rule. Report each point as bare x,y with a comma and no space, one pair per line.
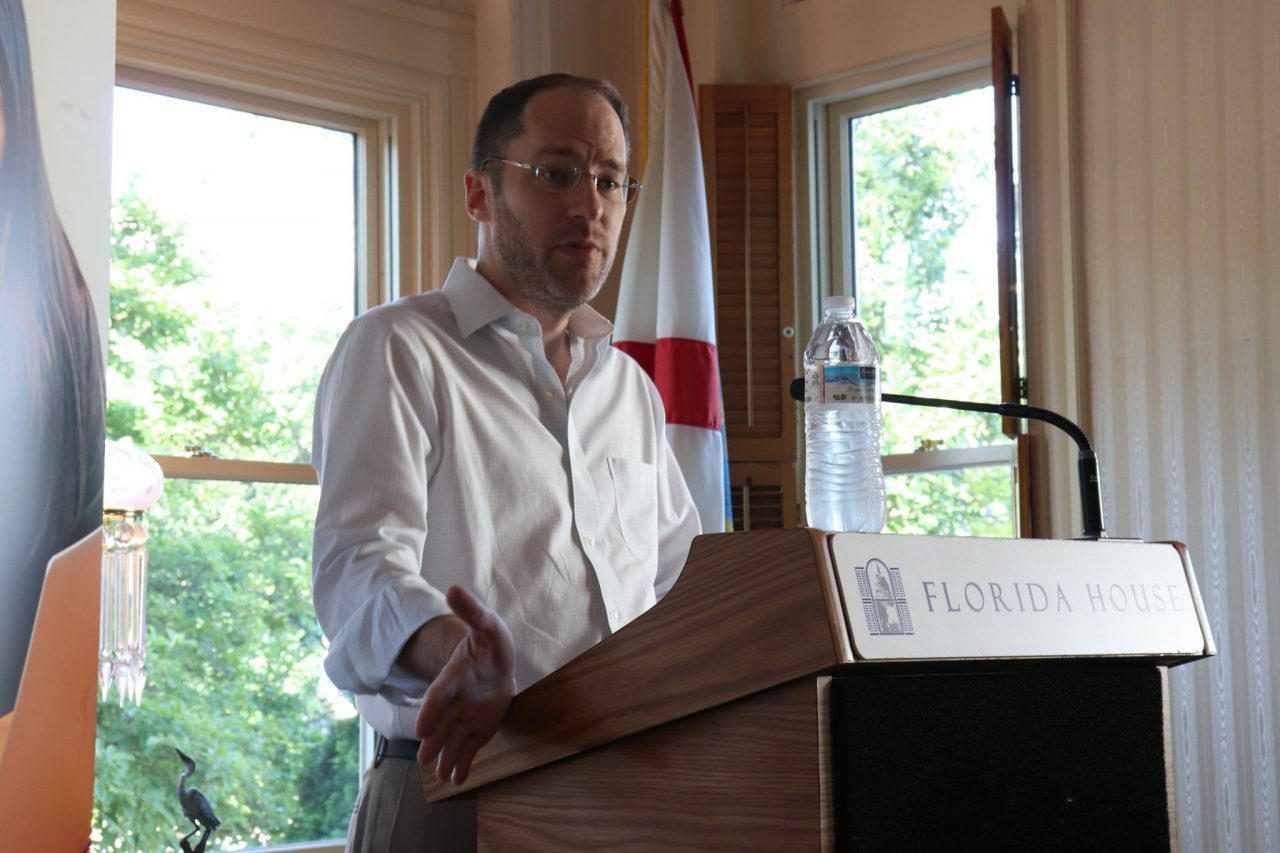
533,276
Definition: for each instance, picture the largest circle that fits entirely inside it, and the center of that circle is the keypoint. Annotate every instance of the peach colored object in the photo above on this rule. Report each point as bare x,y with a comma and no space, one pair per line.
46,760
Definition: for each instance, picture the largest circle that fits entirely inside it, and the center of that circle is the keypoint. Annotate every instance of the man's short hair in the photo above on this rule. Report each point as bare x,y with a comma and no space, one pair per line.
503,118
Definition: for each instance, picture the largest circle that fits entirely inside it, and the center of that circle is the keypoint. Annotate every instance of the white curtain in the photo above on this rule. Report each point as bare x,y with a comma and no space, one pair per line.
1179,164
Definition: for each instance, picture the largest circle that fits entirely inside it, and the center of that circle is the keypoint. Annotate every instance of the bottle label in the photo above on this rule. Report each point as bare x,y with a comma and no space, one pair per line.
842,383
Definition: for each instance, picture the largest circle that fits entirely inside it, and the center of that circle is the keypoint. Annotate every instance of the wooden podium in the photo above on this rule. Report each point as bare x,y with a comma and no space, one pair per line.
741,712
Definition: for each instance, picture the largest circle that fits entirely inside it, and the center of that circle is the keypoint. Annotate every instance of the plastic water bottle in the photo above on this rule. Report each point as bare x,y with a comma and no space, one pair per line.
844,478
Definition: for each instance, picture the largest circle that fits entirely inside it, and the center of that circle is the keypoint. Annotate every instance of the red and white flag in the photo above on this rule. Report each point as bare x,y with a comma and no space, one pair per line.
666,300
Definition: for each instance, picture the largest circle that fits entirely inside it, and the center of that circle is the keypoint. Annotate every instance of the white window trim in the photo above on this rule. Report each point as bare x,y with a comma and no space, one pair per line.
951,459
371,216
372,213
423,118
1003,455
335,846
837,117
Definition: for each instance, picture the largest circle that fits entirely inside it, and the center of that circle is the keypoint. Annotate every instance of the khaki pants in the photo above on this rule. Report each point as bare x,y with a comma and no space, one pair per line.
393,816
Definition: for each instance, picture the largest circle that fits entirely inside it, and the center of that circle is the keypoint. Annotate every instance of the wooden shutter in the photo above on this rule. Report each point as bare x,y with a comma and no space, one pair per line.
763,495
746,150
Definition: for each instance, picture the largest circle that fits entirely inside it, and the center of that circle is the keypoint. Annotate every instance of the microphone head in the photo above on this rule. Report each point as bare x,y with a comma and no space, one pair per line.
797,389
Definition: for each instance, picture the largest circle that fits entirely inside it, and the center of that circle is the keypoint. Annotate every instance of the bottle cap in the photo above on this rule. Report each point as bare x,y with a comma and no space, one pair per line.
838,302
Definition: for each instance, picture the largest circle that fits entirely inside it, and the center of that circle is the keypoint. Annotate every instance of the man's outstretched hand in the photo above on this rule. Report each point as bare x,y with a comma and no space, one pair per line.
469,697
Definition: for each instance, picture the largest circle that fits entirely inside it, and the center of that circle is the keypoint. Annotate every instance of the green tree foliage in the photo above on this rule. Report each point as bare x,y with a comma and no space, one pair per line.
234,650
919,172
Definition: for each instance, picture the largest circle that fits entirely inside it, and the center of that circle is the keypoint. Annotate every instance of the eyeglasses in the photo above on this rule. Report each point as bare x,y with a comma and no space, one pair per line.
557,178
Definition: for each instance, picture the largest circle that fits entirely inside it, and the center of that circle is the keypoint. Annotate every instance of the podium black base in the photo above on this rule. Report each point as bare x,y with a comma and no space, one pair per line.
1061,758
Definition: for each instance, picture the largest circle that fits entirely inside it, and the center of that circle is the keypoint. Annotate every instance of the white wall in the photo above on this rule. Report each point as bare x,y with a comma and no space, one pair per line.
1179,147
767,41
73,63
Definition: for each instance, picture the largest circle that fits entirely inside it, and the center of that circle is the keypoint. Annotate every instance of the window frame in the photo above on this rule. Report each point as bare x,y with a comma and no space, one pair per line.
810,131
839,177
416,118
423,115
823,111
839,115
372,213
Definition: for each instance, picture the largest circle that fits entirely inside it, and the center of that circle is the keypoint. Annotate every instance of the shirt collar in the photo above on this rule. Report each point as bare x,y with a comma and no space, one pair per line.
476,303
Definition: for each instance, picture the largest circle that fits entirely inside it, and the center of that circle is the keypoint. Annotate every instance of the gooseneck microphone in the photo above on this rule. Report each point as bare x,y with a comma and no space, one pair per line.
1087,464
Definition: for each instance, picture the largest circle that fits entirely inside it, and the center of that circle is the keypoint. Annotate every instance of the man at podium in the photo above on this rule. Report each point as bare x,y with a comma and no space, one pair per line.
497,492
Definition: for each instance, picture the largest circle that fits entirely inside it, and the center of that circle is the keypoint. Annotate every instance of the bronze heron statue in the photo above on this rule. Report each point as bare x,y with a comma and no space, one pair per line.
195,806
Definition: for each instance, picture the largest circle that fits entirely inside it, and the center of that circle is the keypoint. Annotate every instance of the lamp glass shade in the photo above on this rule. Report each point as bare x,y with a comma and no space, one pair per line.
132,480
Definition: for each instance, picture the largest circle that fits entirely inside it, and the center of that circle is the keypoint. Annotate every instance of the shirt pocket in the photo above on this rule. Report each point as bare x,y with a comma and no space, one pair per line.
635,494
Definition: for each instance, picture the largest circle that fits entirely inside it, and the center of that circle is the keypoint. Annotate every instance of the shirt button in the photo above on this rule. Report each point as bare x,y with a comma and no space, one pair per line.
547,394
591,541
616,616
523,325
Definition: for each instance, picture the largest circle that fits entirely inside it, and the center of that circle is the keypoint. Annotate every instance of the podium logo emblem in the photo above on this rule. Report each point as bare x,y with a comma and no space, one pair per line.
884,604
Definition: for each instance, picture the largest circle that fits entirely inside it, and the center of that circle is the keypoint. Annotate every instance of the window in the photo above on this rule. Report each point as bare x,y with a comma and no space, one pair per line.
243,235
910,189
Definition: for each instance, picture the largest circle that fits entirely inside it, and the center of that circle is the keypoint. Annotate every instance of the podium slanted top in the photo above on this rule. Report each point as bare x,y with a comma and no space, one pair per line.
752,611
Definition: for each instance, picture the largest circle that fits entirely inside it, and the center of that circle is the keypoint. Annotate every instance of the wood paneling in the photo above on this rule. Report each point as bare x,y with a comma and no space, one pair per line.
750,611
746,133
743,776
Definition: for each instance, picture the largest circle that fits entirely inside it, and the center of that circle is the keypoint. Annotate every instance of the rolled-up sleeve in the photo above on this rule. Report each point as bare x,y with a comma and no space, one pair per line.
372,449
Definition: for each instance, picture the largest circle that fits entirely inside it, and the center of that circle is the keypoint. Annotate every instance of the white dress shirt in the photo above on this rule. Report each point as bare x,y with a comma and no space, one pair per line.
448,452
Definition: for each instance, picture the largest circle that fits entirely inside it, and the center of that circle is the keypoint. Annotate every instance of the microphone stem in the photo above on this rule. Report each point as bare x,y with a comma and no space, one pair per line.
1090,484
